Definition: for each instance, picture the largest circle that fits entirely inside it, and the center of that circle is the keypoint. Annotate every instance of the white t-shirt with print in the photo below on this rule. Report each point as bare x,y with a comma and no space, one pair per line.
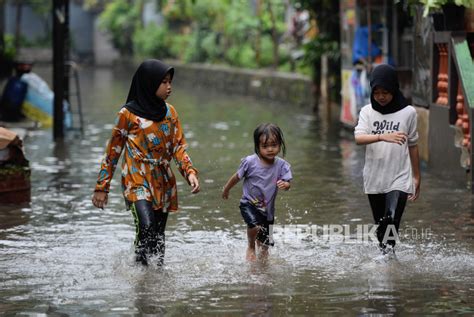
387,165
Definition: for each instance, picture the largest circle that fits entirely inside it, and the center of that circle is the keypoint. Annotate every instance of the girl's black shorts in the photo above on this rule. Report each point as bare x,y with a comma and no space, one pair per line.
253,217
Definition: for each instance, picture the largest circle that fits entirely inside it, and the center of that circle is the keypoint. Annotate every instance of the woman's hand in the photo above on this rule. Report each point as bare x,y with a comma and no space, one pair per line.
283,185
194,182
395,137
99,199
414,196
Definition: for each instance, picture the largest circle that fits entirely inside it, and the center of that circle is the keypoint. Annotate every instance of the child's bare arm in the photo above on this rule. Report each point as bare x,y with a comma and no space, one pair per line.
234,179
415,165
281,184
395,137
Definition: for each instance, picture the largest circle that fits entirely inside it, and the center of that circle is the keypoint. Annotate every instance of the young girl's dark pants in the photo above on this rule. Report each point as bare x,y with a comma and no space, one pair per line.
387,209
150,231
253,217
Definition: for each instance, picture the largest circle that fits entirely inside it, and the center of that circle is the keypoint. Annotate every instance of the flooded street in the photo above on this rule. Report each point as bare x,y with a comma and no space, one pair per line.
61,256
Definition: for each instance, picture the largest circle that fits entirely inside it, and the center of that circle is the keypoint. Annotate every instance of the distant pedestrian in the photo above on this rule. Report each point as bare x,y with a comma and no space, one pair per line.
388,126
150,132
263,174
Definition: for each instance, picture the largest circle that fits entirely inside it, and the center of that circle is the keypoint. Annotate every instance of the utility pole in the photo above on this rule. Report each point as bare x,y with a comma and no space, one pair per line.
60,54
2,28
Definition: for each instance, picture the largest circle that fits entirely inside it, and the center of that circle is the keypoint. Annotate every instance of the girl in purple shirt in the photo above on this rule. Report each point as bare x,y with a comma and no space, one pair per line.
263,174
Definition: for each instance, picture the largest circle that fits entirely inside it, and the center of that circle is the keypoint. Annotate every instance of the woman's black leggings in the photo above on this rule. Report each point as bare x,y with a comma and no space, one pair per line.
387,209
150,231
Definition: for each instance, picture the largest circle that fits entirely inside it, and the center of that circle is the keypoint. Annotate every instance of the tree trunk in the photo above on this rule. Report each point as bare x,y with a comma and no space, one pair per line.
141,9
327,17
259,33
19,5
2,30
316,83
276,57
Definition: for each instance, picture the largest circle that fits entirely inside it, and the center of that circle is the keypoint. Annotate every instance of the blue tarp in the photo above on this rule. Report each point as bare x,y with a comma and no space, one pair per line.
360,48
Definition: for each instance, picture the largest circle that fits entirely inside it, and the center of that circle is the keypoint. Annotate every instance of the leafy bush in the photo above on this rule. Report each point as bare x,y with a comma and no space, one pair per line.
179,45
9,50
241,55
224,31
266,54
210,45
319,46
193,52
152,41
239,23
119,18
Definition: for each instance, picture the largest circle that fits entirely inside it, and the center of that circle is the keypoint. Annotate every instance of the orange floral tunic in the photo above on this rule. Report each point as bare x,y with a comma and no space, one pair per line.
149,147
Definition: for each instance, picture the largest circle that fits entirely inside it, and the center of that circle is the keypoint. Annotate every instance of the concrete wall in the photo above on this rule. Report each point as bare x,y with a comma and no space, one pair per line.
104,53
423,125
81,25
444,156
294,89
34,27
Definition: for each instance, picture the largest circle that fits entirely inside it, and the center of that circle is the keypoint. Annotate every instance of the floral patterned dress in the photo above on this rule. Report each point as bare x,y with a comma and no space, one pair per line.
149,147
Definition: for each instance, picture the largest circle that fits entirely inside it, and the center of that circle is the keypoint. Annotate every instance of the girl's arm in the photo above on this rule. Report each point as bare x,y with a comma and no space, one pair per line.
234,179
395,137
113,152
415,165
110,160
283,185
182,159
285,177
363,135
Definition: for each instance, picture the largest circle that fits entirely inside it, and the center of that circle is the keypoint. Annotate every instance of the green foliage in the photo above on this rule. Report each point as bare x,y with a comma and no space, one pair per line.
240,30
440,3
93,4
44,41
241,56
216,31
430,6
278,8
42,8
240,24
9,51
203,12
211,48
206,13
119,18
153,41
319,46
266,56
326,13
195,51
179,46
179,12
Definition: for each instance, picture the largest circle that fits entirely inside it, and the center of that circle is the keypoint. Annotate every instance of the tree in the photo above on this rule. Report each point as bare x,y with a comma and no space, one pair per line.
326,13
19,6
119,18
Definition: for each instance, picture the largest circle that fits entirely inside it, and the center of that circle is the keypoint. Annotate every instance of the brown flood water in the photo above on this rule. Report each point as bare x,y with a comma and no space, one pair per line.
61,256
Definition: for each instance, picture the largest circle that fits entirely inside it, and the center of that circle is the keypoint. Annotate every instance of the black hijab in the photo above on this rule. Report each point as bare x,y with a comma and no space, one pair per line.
142,100
385,76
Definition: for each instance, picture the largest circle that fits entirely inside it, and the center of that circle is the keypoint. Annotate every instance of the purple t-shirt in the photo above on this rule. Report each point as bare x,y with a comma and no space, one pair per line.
260,188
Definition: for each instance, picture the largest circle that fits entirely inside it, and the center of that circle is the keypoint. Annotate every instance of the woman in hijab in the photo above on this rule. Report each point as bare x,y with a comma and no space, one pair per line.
391,172
149,130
